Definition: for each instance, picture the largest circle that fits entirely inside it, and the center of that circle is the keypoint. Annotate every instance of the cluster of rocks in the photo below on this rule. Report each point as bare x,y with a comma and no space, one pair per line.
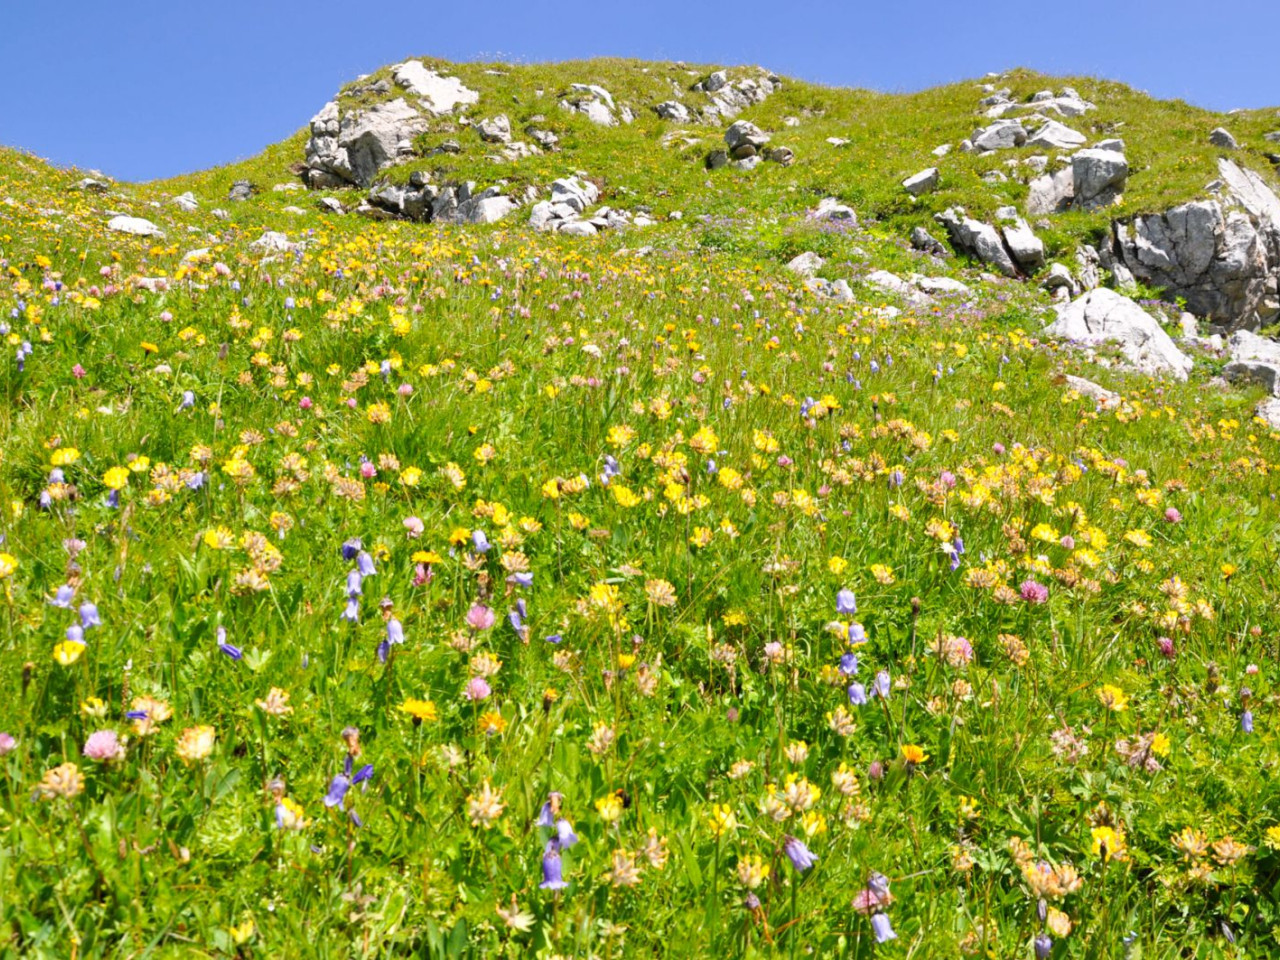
1220,255
596,104
1092,179
1066,103
352,148
746,145
567,211
1012,250
453,203
497,130
731,97
1103,317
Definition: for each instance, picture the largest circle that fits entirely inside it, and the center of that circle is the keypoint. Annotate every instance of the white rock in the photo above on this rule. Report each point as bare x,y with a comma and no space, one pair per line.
923,182
186,201
940,285
1105,398
274,242
830,208
806,264
1269,411
579,228
440,94
1103,316
134,225
1056,136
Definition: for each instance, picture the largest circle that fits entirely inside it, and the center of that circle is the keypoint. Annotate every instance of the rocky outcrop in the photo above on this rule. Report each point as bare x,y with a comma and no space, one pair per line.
454,203
351,148
977,239
1102,317
1095,178
596,104
731,97
1221,255
1067,103
926,181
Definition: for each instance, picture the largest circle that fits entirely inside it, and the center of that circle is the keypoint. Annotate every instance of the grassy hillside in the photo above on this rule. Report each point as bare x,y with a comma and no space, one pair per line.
326,568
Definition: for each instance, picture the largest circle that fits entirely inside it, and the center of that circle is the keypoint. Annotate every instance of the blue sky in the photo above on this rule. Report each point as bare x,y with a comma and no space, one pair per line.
151,88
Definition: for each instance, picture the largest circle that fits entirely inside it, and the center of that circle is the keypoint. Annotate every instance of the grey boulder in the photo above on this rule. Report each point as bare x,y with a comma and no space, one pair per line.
1103,316
977,239
926,181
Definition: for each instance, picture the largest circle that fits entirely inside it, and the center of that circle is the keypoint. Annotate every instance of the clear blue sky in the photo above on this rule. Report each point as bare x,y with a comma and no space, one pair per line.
150,88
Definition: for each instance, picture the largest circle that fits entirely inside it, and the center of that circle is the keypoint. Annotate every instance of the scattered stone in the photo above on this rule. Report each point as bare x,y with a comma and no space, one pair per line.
1103,316
1001,135
837,141
1098,177
330,205
940,285
926,181
1060,283
729,98
1115,144
1051,193
924,241
1223,138
543,138
830,208
1254,371
186,202
438,94
1056,136
806,264
90,185
744,133
1027,249
136,226
495,130
783,156
977,239
673,110
1087,388
1269,412
942,150
838,290
594,102
745,163
272,241
717,159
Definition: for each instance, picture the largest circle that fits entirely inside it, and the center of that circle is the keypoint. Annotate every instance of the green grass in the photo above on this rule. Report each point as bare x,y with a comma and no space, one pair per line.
948,420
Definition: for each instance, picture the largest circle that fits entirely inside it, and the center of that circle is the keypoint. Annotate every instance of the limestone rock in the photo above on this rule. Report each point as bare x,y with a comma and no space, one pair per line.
437,93
1027,249
926,181
926,242
1105,398
354,149
1105,317
1098,177
1269,412
136,226
806,264
1056,136
1001,135
673,110
1223,138
1254,371
977,239
940,285
1051,193
495,130
830,208
744,133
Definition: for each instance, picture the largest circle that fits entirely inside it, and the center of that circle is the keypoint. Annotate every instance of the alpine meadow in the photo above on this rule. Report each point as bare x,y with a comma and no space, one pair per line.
617,509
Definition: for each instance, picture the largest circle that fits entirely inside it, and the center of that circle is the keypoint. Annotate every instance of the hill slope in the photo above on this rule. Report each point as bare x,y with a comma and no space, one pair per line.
456,589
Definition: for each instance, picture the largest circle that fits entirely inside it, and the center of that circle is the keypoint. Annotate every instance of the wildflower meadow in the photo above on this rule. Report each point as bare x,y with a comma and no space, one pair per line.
464,591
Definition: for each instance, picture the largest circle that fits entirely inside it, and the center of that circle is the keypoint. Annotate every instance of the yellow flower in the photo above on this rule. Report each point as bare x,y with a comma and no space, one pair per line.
8,564
1139,538
884,575
420,710
117,478
289,815
837,565
93,707
426,556
378,413
721,821
914,754
610,808
62,781
68,652
410,476
195,744
64,456
1113,698
752,872
1108,843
